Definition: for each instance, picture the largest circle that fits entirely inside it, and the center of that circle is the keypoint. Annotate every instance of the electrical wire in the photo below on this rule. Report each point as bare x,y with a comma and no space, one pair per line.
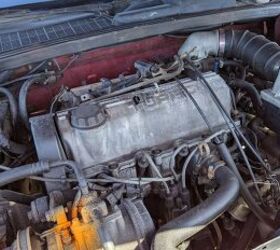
211,131
105,179
230,123
42,74
133,181
155,170
186,164
203,116
172,160
69,64
27,77
228,119
37,67
196,105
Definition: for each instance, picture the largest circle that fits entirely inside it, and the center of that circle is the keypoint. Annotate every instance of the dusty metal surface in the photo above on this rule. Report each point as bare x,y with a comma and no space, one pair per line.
122,126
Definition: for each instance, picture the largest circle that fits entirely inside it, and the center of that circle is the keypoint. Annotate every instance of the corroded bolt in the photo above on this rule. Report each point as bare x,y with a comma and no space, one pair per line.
50,216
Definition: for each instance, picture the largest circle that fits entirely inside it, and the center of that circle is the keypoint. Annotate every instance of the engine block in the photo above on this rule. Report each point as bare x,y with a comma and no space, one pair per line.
115,129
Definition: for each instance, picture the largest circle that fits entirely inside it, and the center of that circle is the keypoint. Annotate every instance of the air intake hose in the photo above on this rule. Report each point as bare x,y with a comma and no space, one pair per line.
261,54
190,223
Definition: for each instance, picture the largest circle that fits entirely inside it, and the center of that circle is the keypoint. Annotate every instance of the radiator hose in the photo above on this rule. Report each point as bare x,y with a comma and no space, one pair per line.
190,223
255,208
261,54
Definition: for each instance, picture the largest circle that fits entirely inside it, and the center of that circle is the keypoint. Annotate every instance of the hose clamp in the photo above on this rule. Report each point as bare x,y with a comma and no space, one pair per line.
222,42
213,168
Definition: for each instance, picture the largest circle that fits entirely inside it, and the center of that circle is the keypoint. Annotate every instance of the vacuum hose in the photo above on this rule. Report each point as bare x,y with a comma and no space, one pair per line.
12,103
18,173
252,92
22,101
190,223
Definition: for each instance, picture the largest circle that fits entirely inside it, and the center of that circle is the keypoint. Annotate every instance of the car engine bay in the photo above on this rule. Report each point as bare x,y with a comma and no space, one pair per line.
166,142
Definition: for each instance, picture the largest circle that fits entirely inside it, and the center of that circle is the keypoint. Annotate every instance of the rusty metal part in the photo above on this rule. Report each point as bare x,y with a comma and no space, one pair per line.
74,234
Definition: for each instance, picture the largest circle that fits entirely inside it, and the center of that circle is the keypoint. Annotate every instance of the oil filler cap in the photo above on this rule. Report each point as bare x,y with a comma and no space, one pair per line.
88,116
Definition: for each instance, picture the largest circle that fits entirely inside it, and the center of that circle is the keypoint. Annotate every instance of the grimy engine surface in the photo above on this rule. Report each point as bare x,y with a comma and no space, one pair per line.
106,131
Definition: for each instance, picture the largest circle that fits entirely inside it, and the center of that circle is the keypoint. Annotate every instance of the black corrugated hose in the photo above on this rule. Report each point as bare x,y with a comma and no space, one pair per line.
256,50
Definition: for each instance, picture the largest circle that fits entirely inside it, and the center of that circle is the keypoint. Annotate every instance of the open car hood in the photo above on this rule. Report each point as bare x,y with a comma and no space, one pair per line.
30,4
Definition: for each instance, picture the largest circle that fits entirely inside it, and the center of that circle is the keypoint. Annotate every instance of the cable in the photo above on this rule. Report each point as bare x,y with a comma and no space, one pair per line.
69,64
224,113
254,207
155,169
186,164
172,161
173,157
37,67
12,104
196,105
23,94
106,179
211,130
248,165
31,75
229,121
253,93
135,181
22,101
27,77
78,172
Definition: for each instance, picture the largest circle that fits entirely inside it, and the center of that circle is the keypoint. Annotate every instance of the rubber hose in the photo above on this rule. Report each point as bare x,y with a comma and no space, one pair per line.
5,75
22,101
78,172
22,172
261,54
11,146
25,171
190,223
252,92
12,103
238,65
255,208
